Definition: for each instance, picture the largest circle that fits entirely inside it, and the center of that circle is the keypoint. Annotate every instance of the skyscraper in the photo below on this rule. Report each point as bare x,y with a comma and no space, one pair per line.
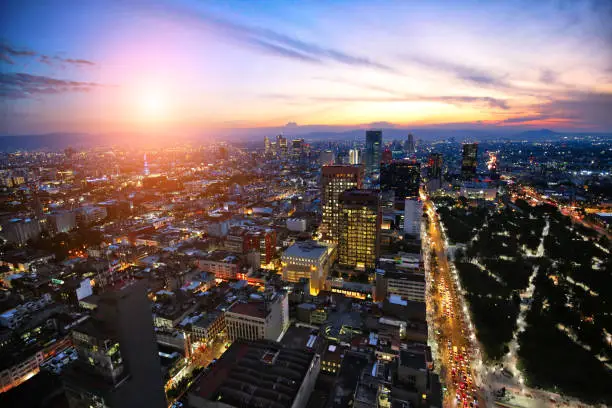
469,161
118,363
281,144
146,165
373,149
401,176
413,213
410,146
359,225
334,181
354,156
434,172
266,144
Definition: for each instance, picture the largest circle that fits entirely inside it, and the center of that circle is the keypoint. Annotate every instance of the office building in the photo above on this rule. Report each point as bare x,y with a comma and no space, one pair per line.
359,226
266,145
254,374
406,284
19,231
327,158
90,214
413,214
334,181
309,260
434,171
262,317
354,156
409,145
118,363
403,177
281,144
61,221
373,150
469,161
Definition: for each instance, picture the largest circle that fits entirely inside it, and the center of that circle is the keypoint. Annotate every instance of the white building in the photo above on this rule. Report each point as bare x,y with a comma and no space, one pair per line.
413,214
258,319
296,224
354,156
409,285
310,260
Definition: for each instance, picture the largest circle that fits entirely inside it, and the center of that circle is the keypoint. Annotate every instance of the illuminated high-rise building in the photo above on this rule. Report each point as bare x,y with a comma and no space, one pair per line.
267,144
334,181
359,225
469,161
146,165
401,176
373,150
354,156
281,144
118,363
492,165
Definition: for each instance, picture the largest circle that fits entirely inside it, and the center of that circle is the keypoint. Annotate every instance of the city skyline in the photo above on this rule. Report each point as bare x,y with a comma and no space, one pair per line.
194,68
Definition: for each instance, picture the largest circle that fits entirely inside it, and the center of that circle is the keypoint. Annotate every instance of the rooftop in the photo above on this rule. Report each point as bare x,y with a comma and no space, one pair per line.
306,249
255,374
253,309
413,360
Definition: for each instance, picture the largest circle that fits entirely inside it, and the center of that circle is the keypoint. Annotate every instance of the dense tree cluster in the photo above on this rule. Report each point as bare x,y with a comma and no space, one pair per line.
564,346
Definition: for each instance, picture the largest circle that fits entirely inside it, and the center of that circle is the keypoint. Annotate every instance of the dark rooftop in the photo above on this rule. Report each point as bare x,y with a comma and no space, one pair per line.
255,374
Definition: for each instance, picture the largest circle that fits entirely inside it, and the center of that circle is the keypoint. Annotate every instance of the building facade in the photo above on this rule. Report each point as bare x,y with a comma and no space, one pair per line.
469,161
373,150
261,319
413,214
118,363
401,176
309,260
359,224
334,181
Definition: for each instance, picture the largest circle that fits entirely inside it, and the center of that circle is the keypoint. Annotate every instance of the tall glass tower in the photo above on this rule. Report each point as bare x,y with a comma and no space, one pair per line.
373,150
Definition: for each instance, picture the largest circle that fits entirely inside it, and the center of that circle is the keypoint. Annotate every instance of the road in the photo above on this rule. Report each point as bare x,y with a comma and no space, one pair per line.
456,349
201,357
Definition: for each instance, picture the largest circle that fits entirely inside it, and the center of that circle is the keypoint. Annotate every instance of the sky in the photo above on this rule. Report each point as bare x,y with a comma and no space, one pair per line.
188,66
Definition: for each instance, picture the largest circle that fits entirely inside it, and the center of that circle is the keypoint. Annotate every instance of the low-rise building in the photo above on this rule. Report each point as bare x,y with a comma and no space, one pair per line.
266,318
308,260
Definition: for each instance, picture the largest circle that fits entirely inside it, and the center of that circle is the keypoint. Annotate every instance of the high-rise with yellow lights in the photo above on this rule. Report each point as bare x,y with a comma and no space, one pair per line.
334,181
359,225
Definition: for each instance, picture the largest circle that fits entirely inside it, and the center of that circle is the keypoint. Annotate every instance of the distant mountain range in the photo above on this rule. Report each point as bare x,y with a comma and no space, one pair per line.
60,141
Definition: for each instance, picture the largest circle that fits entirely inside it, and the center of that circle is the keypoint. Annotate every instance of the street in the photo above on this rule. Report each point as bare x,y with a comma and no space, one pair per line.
456,350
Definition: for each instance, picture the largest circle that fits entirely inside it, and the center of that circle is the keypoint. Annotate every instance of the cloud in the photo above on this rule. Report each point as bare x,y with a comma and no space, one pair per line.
587,107
465,73
8,53
578,109
277,43
548,76
21,85
454,100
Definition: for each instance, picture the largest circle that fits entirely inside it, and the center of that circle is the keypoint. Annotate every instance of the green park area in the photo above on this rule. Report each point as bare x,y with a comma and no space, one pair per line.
566,346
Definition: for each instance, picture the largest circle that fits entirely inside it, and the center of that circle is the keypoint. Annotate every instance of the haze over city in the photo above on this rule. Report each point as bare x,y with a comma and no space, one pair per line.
305,204
202,68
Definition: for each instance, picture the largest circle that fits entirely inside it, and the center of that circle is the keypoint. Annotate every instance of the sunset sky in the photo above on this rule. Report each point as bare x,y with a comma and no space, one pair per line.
103,66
